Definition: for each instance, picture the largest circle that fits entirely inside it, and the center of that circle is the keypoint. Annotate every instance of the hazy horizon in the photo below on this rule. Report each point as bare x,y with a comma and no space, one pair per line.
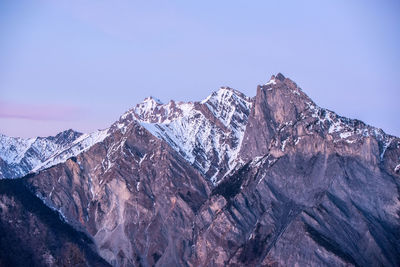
80,65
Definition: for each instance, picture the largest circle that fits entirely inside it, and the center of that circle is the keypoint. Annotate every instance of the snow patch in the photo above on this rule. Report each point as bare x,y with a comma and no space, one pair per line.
295,92
386,144
397,168
272,81
297,140
284,144
344,135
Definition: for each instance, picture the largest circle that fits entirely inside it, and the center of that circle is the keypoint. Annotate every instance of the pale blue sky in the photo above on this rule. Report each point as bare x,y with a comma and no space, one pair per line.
81,64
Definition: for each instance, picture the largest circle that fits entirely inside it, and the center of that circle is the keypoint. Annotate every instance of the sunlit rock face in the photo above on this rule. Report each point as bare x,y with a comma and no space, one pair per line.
272,180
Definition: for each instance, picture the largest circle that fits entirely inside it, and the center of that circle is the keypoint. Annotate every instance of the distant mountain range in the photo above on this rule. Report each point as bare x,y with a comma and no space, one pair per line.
272,180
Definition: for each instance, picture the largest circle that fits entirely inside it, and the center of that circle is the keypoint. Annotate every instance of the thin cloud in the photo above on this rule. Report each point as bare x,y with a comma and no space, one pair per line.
39,112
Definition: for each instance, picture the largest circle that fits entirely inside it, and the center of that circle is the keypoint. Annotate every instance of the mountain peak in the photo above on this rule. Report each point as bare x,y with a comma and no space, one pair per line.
280,77
224,93
276,78
69,132
147,107
152,99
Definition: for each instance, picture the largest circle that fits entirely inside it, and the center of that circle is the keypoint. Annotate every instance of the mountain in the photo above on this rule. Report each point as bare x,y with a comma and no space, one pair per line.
207,134
19,156
231,180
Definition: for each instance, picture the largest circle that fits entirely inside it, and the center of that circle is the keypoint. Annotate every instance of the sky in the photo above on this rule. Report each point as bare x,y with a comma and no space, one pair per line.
81,64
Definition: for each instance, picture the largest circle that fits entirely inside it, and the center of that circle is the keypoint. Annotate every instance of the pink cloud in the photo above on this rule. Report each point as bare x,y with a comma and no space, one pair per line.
42,112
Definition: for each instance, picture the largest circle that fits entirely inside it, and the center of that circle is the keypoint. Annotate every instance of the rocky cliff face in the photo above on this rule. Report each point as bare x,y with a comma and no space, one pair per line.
316,190
270,181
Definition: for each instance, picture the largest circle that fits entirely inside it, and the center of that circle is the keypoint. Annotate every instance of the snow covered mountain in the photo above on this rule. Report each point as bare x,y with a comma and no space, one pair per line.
208,134
20,156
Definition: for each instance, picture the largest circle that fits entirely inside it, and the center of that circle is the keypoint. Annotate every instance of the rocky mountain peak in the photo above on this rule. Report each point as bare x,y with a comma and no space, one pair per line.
152,100
206,133
283,115
162,113
148,108
225,93
280,77
225,102
276,78
66,137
